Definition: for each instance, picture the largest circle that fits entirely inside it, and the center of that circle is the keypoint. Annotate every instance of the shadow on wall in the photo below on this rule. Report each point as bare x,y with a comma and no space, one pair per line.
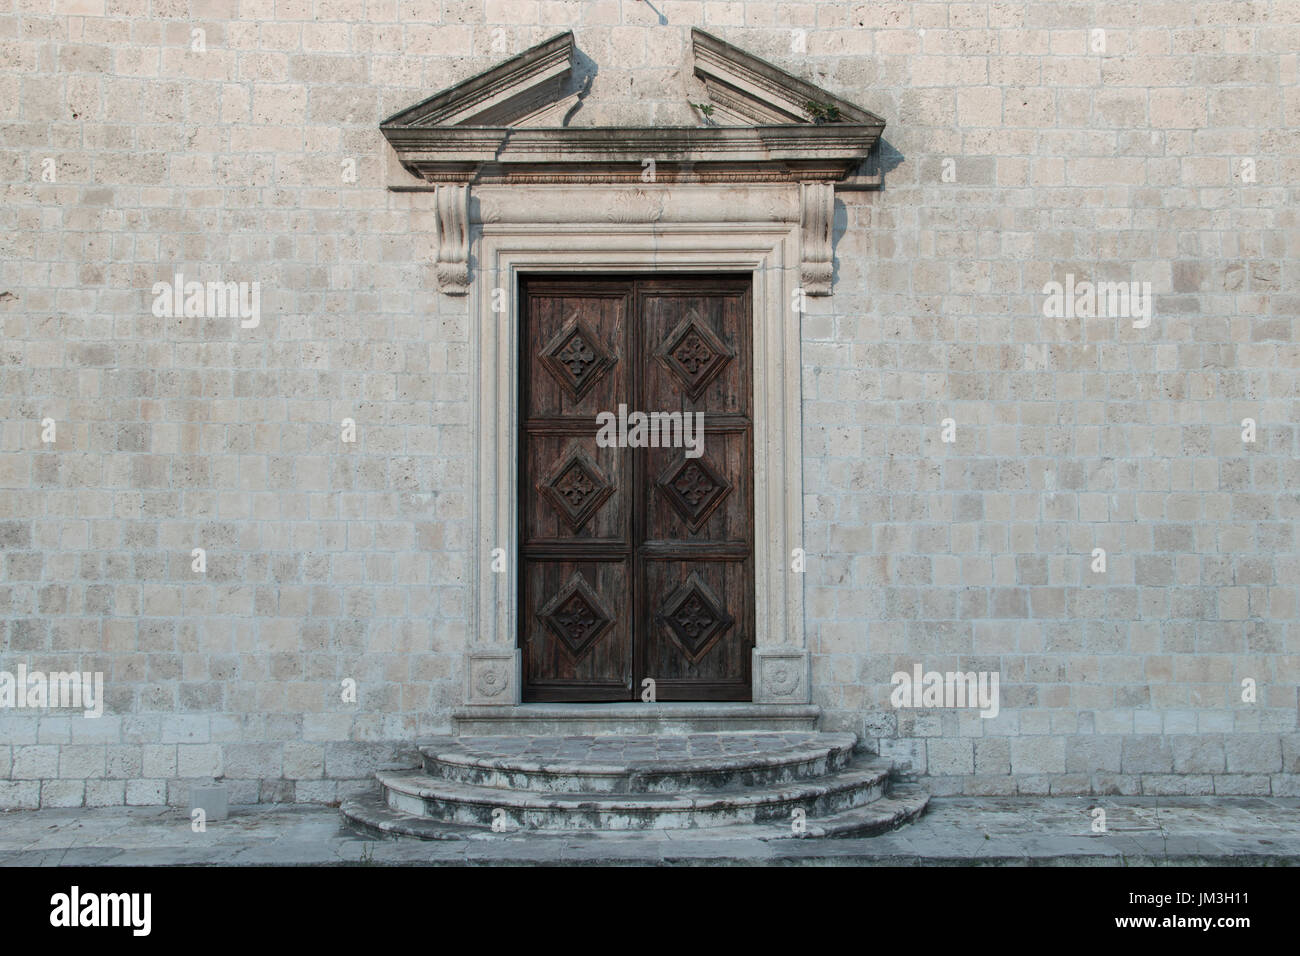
883,160
584,74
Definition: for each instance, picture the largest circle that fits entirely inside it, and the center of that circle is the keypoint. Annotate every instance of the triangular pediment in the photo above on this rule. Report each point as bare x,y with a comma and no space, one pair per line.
508,124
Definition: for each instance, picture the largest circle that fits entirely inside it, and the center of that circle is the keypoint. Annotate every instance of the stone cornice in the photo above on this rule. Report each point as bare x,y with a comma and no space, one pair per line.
620,154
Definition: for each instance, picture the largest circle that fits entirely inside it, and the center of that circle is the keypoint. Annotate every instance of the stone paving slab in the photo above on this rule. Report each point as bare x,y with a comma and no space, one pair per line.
956,831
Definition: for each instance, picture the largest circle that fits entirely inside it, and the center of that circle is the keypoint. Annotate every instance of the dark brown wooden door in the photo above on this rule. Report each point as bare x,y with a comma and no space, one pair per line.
636,562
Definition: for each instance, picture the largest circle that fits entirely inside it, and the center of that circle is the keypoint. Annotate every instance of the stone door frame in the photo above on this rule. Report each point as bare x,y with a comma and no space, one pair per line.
682,229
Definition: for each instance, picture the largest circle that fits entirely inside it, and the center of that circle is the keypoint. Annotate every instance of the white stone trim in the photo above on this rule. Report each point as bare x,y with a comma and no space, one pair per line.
769,250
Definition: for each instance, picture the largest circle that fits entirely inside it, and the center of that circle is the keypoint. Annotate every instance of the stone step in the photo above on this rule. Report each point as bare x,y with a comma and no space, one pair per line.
449,801
904,804
748,784
636,763
899,807
371,815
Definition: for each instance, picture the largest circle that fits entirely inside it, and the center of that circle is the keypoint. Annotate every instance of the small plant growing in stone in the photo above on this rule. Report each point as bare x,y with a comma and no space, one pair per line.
822,112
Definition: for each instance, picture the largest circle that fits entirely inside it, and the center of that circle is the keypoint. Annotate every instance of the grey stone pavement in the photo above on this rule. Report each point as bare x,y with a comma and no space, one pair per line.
1233,831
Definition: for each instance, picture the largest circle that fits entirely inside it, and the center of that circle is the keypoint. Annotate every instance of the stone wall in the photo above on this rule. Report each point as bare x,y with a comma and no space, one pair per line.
237,141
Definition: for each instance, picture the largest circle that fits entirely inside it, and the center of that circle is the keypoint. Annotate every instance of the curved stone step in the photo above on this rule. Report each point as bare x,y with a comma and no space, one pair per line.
902,805
636,764
451,801
373,817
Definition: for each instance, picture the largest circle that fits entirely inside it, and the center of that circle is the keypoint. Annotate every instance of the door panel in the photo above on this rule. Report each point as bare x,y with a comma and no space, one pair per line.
581,490
695,648
581,644
701,500
636,561
576,343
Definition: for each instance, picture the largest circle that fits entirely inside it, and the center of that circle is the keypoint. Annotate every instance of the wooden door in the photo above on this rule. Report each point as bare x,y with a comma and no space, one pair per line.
637,560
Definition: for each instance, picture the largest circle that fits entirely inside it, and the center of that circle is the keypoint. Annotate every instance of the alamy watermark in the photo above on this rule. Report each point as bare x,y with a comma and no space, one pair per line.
651,430
208,300
128,910
37,690
1086,300
954,689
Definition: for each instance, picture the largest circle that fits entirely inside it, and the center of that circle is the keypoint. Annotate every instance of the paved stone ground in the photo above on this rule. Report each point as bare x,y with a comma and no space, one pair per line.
1247,831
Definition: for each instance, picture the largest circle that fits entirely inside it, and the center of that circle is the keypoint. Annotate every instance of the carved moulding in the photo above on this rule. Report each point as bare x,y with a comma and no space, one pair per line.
679,243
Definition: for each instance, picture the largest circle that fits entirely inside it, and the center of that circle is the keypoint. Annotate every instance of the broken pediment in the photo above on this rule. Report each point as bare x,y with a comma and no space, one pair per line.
761,126
749,91
524,90
507,125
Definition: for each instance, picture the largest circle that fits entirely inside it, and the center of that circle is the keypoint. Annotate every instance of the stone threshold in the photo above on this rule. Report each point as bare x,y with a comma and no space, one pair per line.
633,717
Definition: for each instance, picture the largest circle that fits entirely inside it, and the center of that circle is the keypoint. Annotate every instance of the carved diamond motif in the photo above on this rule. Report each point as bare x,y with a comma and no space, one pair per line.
694,354
575,358
694,488
694,617
577,487
576,616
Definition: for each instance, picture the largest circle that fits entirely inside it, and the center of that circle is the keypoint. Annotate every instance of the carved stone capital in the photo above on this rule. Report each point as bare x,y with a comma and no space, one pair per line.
781,675
452,260
493,677
816,221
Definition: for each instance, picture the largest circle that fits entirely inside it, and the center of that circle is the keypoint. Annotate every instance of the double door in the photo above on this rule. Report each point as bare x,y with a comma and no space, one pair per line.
637,491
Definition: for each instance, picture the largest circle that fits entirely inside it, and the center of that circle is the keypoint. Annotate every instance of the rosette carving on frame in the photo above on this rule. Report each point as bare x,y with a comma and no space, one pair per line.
492,680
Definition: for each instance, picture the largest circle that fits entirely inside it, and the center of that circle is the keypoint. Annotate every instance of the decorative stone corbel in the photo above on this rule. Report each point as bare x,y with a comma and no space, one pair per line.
452,260
816,220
